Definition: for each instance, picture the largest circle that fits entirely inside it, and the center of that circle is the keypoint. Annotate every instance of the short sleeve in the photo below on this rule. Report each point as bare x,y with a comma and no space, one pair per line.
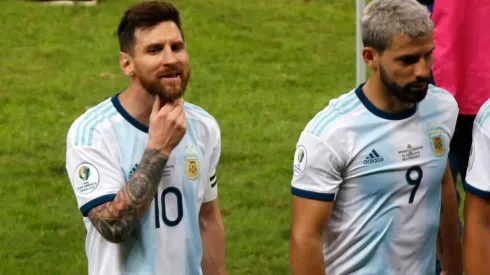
211,191
478,173
94,173
316,169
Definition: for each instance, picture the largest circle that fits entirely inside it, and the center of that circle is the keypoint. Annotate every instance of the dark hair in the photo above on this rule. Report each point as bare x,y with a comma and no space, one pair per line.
144,16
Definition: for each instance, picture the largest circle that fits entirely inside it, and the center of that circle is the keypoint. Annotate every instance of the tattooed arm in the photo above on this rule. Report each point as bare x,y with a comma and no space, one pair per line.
115,220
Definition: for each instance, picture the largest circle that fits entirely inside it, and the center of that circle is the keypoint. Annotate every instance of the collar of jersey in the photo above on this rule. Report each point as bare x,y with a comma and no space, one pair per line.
126,115
382,114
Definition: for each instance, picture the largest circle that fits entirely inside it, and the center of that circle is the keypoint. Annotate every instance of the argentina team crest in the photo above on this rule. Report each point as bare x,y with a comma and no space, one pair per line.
191,166
437,142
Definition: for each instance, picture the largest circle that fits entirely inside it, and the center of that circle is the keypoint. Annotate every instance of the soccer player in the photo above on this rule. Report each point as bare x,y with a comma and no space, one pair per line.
142,163
476,233
372,190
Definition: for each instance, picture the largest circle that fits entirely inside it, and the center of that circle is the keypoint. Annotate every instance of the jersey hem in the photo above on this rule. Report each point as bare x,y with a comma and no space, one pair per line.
312,195
477,192
96,202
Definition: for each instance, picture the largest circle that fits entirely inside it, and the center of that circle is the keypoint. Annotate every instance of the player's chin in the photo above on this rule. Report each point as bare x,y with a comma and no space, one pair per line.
417,95
173,93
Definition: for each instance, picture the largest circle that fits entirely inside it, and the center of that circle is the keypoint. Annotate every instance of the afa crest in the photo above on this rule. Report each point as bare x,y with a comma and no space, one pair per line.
437,141
191,163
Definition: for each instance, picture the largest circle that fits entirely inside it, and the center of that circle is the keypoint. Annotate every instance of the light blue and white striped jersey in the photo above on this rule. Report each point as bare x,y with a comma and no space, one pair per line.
104,147
478,174
383,171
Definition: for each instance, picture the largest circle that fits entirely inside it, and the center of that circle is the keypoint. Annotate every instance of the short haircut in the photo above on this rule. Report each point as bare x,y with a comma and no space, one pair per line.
144,16
382,19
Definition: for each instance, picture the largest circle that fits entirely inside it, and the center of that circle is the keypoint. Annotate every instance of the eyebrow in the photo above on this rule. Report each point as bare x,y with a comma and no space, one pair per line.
159,44
415,55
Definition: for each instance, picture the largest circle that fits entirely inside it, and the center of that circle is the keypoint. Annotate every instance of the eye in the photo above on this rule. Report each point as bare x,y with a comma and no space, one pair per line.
409,60
154,49
177,47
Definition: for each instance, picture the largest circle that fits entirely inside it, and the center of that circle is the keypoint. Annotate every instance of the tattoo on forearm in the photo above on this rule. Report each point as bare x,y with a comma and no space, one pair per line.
116,220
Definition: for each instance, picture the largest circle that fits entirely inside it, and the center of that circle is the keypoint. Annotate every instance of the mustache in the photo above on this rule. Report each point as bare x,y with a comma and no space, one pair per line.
169,70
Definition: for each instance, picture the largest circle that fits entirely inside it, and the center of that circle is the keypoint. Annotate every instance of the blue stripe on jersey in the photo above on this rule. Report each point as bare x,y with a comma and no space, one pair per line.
95,123
312,195
89,123
149,242
335,115
377,224
192,231
477,192
96,202
483,114
431,180
341,101
197,109
86,119
337,110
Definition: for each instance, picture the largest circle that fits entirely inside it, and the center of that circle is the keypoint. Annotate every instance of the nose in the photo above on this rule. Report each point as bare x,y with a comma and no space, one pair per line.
422,69
168,57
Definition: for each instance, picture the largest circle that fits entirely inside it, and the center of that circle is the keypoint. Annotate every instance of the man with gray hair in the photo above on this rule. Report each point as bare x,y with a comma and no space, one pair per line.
372,190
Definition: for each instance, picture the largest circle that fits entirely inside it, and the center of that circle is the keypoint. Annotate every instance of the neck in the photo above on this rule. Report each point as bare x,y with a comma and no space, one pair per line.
381,98
137,102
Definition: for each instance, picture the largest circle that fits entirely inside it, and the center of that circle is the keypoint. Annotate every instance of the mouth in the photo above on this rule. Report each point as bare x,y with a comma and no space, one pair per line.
171,75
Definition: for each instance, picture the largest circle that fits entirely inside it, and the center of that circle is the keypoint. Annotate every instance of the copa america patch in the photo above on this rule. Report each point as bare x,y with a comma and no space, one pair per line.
85,178
300,157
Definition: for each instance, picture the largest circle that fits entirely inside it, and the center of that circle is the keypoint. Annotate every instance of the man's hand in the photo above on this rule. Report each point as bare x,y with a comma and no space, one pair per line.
115,220
167,126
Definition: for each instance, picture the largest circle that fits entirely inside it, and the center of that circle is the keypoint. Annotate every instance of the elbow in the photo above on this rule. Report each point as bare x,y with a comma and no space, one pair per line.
304,239
300,240
115,239
116,233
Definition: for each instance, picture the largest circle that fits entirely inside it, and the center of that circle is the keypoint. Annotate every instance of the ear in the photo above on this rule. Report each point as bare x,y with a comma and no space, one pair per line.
371,57
126,64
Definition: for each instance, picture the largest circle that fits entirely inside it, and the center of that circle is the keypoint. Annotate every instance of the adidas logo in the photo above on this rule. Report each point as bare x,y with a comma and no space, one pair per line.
373,157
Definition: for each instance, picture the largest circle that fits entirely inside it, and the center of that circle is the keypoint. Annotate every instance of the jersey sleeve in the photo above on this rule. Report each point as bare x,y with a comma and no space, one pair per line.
317,168
478,174
211,191
94,172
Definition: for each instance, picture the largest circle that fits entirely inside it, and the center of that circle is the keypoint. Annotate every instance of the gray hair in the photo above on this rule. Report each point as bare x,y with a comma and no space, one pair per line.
382,19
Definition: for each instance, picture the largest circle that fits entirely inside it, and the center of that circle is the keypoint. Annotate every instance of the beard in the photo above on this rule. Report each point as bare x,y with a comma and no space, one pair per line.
405,93
168,92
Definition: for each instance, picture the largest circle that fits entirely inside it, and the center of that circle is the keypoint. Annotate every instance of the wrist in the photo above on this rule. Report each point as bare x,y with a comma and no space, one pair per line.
164,152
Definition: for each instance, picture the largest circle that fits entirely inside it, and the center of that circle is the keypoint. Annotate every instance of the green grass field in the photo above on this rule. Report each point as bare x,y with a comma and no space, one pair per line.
261,68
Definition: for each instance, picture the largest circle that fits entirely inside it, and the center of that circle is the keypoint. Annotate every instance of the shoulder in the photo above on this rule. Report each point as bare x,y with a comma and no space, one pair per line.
482,117
444,99
87,127
200,119
331,119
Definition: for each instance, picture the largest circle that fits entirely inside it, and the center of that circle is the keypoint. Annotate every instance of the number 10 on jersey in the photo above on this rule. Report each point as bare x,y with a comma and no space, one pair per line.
160,201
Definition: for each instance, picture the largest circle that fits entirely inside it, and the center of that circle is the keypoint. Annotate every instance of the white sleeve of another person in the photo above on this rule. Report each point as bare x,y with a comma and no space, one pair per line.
478,174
